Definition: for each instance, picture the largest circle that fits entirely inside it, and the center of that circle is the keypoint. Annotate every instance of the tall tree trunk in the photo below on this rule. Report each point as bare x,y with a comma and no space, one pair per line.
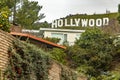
14,13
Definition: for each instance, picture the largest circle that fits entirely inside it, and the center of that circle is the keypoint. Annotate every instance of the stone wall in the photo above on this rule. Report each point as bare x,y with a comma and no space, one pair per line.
5,42
55,72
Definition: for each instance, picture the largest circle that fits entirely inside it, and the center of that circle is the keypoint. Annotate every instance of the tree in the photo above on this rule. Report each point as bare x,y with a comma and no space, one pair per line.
93,52
119,8
12,5
119,13
39,25
4,15
29,14
8,3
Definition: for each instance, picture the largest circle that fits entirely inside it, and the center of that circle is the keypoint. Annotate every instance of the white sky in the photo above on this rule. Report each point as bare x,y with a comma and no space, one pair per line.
55,9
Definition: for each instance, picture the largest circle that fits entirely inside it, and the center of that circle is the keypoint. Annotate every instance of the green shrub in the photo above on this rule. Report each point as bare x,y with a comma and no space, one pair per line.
27,62
4,19
109,76
92,53
54,40
75,56
67,74
59,55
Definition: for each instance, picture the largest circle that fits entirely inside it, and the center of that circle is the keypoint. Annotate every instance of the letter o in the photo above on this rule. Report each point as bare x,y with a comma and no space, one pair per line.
60,23
98,22
91,22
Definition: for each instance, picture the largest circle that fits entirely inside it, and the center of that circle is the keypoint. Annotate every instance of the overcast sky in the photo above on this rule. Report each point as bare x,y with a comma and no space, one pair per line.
55,9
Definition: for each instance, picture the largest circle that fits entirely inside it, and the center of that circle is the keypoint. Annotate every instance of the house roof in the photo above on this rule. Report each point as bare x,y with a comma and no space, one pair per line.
62,30
32,31
38,39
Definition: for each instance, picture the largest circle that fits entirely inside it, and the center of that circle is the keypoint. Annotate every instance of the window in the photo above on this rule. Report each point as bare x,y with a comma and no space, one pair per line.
62,36
77,36
65,37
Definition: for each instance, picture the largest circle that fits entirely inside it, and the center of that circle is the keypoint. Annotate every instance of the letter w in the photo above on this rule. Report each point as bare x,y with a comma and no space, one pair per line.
84,22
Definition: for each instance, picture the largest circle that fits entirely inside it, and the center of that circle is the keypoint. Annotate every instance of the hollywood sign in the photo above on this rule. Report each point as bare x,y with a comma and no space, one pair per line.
80,22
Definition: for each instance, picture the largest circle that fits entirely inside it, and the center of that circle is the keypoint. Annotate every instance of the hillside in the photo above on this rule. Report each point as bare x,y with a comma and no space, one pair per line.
94,16
71,22
20,60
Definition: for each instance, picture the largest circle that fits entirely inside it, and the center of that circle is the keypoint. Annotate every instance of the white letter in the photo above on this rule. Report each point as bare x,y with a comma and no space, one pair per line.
91,22
98,22
71,22
66,23
54,24
84,22
77,21
60,23
105,21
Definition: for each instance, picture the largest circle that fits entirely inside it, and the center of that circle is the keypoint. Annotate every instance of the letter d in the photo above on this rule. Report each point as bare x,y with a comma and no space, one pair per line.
105,21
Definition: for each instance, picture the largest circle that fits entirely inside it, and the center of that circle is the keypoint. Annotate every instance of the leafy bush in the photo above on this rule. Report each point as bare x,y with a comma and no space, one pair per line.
4,21
54,40
67,74
75,56
108,76
93,52
27,62
59,55
117,47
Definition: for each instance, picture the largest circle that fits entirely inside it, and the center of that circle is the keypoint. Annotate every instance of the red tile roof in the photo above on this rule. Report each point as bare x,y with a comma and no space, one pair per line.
38,39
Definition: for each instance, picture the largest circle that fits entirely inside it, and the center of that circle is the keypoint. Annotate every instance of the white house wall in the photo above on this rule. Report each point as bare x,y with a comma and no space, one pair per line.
47,34
71,37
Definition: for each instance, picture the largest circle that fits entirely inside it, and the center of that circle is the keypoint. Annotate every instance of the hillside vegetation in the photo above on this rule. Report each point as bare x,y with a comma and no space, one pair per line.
96,54
85,16
94,16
